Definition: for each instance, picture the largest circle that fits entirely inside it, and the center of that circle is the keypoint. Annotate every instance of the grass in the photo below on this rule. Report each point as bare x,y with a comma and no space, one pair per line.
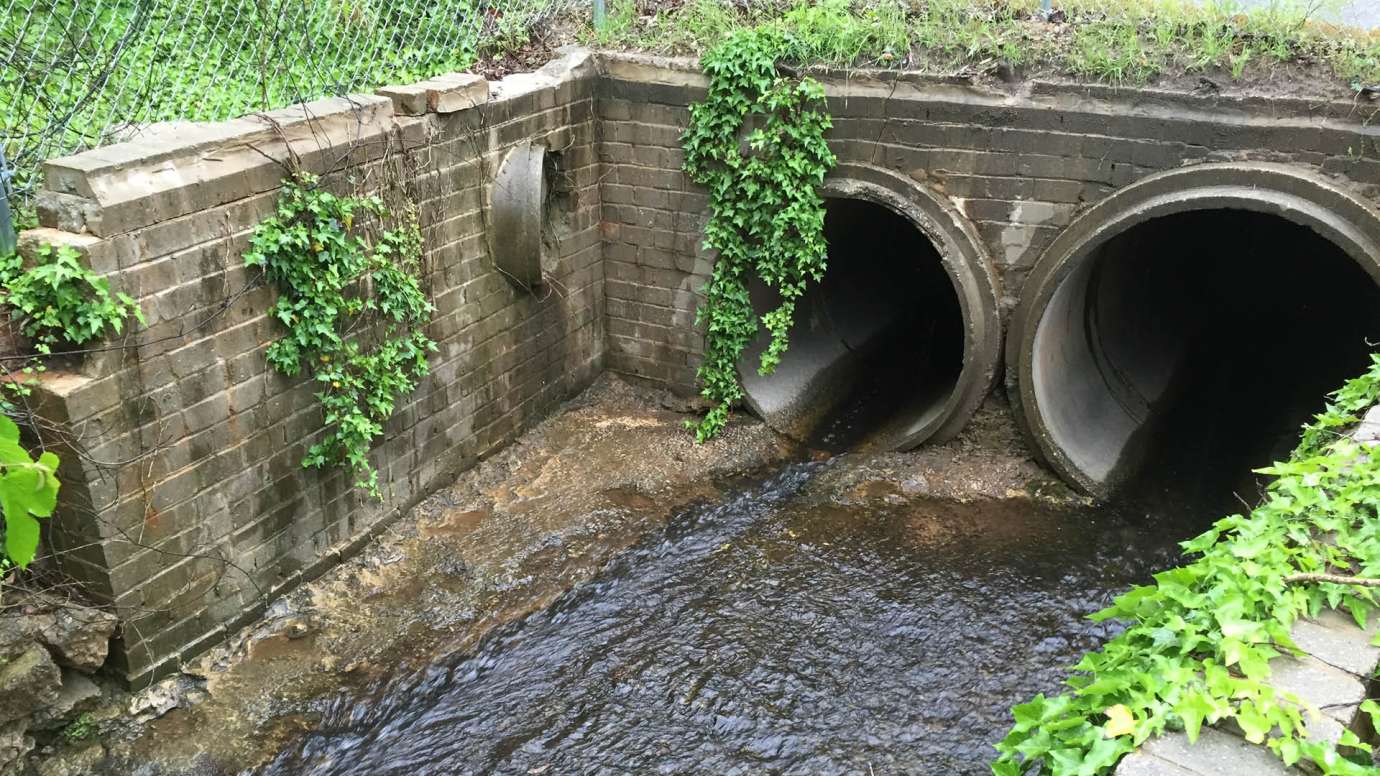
1114,41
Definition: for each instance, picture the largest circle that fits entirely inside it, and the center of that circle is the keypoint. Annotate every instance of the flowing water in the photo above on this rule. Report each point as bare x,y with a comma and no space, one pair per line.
774,632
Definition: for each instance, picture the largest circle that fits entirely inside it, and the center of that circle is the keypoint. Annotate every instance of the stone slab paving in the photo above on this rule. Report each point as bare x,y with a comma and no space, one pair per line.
1333,677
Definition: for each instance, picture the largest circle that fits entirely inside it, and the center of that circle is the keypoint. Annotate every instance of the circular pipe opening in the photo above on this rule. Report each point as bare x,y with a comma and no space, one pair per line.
899,341
1184,340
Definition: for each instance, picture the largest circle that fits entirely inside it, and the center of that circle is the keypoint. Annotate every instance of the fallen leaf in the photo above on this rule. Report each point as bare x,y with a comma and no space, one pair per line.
1119,721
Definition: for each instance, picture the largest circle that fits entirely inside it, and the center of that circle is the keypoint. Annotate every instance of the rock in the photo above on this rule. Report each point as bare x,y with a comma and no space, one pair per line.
694,404
298,628
78,694
78,761
28,684
175,691
14,744
78,637
15,636
1217,753
1368,432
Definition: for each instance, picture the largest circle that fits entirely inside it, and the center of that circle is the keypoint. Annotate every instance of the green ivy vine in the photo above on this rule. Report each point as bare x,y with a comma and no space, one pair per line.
354,309
57,303
1200,638
756,143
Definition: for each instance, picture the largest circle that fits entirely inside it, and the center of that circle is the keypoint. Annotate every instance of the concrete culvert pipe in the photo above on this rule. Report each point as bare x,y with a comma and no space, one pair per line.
900,341
1188,325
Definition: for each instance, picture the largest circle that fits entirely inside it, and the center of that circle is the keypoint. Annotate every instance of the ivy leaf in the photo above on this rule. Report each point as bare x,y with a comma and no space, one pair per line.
28,490
1253,723
1120,722
1193,708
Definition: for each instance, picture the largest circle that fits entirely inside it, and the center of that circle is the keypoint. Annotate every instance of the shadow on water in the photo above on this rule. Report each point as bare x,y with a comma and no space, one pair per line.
770,633
1250,320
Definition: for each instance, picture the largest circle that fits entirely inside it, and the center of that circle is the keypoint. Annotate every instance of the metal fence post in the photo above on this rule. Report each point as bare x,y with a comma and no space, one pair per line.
600,13
7,236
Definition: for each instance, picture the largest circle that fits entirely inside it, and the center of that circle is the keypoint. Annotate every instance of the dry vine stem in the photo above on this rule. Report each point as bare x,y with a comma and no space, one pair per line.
1336,579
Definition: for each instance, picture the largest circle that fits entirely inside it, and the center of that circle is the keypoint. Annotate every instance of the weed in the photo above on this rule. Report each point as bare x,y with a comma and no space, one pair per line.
58,302
766,215
81,728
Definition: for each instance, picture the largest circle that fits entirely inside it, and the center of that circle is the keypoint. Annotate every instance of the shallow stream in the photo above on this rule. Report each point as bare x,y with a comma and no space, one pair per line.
773,632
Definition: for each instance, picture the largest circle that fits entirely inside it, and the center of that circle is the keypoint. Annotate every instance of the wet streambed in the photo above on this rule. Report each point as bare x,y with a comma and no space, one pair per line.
772,632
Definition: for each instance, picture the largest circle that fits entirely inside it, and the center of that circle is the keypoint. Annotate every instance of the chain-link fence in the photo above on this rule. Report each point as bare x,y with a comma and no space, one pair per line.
78,73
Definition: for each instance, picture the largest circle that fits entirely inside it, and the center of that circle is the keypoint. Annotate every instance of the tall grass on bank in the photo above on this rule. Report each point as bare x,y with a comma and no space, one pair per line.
1116,41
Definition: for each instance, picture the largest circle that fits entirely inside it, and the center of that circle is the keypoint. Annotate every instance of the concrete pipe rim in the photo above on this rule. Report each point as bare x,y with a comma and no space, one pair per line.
1301,197
964,259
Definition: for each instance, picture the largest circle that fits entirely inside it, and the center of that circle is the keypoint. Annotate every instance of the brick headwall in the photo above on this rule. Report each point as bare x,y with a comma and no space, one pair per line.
189,509
1019,161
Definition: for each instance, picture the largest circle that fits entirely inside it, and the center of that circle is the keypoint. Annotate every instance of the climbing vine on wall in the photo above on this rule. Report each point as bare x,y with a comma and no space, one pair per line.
756,142
1200,639
57,303
354,309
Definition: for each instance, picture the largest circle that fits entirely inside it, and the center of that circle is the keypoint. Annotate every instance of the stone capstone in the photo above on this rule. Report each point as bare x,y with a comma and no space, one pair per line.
447,93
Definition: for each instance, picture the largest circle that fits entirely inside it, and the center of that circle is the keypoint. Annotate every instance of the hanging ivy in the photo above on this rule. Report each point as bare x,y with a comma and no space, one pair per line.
354,311
756,143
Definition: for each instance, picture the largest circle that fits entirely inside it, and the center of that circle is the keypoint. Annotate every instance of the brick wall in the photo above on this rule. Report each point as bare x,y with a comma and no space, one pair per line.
1019,161
189,508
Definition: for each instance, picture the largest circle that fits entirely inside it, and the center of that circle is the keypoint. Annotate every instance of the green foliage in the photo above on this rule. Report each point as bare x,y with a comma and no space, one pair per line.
1125,41
81,728
83,71
354,310
58,302
619,20
756,142
829,32
1200,639
28,491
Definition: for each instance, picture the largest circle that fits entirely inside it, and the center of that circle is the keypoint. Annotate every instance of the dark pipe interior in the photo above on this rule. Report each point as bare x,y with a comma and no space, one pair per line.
1190,348
877,346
